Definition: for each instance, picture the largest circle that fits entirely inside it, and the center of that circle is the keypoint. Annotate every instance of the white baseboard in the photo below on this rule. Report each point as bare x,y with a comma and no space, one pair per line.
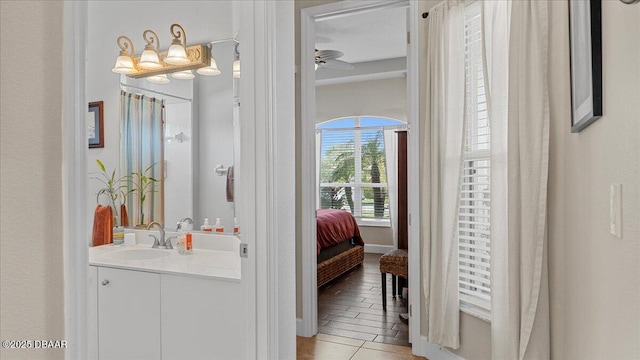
433,352
377,249
299,331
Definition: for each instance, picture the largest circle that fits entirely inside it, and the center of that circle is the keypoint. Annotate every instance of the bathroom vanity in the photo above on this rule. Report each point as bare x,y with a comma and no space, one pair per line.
149,303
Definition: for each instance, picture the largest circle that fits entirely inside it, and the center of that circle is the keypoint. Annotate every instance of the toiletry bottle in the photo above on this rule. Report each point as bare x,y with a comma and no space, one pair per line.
188,243
236,227
206,226
219,227
184,240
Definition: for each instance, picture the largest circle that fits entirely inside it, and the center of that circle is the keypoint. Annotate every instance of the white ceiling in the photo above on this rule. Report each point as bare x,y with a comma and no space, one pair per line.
368,36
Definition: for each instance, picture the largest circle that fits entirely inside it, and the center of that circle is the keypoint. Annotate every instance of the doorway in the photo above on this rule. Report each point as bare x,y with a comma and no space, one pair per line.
311,37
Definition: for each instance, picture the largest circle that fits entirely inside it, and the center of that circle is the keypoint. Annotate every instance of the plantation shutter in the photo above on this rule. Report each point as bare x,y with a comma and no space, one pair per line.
474,215
353,170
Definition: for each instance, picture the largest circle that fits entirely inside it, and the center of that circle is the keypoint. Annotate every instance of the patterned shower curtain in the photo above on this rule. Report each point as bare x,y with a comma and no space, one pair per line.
142,153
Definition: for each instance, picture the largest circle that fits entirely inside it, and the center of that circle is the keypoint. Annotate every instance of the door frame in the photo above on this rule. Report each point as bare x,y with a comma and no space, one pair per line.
308,325
265,202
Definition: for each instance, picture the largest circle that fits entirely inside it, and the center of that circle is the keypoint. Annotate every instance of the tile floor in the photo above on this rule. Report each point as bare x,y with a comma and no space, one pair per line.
351,307
330,347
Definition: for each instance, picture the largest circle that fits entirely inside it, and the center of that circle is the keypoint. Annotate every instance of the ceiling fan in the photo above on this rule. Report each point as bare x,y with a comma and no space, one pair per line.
329,60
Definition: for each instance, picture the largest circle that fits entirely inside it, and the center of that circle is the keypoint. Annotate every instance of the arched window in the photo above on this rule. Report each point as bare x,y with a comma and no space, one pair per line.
353,165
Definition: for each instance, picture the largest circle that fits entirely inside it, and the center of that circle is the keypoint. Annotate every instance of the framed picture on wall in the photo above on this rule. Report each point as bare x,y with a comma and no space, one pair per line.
585,29
95,125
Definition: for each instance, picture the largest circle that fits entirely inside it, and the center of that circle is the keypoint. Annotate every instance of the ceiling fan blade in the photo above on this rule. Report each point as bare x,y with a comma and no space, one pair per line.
328,54
337,65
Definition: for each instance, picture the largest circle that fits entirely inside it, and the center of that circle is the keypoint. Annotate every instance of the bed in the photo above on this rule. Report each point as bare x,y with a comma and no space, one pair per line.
339,244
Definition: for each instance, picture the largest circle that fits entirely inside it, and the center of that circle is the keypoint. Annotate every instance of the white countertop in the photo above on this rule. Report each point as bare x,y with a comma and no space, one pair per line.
208,263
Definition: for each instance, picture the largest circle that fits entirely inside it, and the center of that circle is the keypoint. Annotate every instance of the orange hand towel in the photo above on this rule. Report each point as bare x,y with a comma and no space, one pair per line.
102,226
124,217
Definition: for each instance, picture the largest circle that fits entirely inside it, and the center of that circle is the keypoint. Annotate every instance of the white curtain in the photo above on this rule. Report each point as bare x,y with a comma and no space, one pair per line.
391,161
318,162
515,38
442,144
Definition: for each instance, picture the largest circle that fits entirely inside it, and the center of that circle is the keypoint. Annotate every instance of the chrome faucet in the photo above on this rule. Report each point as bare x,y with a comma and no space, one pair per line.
159,243
179,225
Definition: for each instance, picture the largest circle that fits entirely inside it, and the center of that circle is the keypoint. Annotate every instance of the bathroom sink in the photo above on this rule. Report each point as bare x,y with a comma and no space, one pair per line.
136,254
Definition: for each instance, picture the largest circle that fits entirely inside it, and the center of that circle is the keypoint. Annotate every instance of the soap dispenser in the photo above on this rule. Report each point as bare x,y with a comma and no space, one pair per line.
236,227
219,227
185,242
206,226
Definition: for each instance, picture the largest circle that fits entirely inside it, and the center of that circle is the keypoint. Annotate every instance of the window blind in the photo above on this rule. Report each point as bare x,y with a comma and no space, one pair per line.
353,170
474,260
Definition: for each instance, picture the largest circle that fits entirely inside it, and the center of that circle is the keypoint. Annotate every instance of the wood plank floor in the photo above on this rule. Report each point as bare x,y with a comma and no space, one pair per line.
330,347
351,306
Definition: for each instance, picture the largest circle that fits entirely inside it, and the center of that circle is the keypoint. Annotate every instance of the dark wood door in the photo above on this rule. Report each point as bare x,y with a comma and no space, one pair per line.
403,214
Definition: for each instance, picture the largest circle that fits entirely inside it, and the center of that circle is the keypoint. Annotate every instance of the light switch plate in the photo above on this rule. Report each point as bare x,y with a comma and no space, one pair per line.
615,210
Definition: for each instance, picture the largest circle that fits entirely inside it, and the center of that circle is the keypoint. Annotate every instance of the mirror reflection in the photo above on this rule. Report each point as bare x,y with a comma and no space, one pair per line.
179,143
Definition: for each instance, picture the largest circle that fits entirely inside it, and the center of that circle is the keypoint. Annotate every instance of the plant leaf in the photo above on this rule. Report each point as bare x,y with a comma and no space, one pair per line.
100,165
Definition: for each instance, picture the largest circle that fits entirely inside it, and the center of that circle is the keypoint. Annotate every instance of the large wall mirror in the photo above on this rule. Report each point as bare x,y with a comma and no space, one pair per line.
181,139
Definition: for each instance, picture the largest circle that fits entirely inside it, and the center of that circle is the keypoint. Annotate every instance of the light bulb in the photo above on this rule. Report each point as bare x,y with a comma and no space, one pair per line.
236,69
210,70
124,65
176,54
159,79
149,59
183,75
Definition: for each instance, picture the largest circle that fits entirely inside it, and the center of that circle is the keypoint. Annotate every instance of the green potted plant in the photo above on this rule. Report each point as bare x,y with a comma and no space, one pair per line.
143,184
113,189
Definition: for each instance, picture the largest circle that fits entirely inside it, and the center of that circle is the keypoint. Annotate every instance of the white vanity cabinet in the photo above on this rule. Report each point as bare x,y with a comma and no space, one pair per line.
128,314
200,318
146,315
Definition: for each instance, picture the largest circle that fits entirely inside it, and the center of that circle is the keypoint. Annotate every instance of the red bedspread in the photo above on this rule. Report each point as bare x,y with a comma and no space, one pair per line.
336,226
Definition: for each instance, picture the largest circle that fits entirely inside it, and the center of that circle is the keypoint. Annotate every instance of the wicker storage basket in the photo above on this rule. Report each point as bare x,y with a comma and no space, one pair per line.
339,264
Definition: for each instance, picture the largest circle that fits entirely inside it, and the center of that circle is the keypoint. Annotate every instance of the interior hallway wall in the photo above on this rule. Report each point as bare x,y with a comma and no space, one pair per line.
595,276
299,5
31,256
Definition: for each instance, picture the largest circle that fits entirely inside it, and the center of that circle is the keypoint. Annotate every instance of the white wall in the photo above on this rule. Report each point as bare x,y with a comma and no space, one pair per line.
31,256
204,21
387,98
594,276
215,135
299,5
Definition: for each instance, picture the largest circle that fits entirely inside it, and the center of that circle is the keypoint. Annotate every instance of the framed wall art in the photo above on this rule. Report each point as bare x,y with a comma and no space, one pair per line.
585,19
95,125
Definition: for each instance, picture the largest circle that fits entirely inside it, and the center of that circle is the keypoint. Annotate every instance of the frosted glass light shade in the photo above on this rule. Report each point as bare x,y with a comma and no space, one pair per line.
159,79
236,69
183,75
176,54
149,60
210,70
124,65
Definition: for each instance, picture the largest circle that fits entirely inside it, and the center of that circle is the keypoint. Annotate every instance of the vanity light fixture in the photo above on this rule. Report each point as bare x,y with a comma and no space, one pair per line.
236,62
183,75
124,62
210,70
150,59
159,79
177,54
236,69
152,62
